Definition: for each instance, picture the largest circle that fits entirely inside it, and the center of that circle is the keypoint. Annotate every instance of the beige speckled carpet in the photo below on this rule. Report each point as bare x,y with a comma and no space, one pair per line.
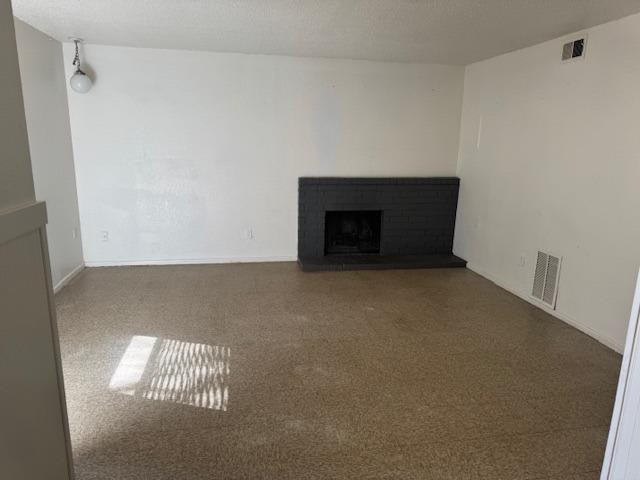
260,371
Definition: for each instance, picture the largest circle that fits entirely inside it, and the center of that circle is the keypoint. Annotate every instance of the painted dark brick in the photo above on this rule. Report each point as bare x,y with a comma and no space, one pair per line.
418,214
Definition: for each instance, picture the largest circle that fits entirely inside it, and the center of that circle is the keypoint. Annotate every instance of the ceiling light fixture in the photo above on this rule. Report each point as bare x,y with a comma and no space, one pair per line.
80,82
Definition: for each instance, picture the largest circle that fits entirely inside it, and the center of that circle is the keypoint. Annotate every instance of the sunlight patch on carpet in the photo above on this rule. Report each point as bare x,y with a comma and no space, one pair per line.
187,373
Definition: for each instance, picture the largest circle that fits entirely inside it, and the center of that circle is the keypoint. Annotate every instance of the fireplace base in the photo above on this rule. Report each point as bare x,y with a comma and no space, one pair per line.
379,262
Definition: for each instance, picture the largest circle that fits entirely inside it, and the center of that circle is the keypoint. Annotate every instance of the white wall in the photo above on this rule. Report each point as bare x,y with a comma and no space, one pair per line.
557,167
47,114
179,153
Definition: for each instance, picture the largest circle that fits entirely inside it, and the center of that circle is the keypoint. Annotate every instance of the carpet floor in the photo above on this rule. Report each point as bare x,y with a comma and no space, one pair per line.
261,371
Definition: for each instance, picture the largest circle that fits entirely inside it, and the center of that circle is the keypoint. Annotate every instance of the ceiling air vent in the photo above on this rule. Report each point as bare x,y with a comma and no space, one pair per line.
573,49
545,279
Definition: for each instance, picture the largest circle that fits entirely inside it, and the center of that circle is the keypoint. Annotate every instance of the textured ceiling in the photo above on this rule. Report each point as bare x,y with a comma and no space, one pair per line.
426,31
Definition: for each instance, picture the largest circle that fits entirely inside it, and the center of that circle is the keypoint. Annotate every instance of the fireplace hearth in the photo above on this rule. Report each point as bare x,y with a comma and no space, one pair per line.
376,223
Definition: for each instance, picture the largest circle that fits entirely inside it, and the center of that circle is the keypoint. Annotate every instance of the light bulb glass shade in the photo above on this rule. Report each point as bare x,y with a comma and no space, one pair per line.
80,82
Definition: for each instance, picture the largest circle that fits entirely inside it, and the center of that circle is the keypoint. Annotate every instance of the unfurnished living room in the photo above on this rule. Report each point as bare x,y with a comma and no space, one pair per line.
304,239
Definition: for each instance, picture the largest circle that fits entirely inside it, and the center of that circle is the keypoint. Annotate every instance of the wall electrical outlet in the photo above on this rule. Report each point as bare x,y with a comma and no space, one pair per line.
104,235
248,234
522,261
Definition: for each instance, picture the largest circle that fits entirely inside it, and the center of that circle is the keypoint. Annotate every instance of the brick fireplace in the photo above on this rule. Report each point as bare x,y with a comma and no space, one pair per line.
358,223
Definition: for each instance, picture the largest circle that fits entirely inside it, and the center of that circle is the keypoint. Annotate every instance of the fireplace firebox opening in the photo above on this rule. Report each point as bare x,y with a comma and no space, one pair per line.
352,232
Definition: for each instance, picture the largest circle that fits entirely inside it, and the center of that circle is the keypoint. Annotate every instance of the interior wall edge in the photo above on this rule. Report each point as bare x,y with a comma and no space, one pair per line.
27,292
599,336
21,219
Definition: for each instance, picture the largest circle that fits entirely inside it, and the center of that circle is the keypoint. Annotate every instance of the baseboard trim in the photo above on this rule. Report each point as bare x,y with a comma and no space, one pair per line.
188,261
67,278
604,339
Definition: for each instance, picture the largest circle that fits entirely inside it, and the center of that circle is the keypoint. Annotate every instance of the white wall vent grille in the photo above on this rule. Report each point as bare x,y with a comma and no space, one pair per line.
545,279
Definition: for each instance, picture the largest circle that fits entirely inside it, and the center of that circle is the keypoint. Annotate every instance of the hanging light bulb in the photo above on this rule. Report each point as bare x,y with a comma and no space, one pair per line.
80,82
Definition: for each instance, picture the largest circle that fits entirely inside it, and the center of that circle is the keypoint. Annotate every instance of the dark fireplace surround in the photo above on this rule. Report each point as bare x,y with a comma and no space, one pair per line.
376,223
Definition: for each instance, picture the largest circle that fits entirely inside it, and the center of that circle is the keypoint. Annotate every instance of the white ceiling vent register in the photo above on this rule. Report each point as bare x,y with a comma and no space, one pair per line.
573,50
545,280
